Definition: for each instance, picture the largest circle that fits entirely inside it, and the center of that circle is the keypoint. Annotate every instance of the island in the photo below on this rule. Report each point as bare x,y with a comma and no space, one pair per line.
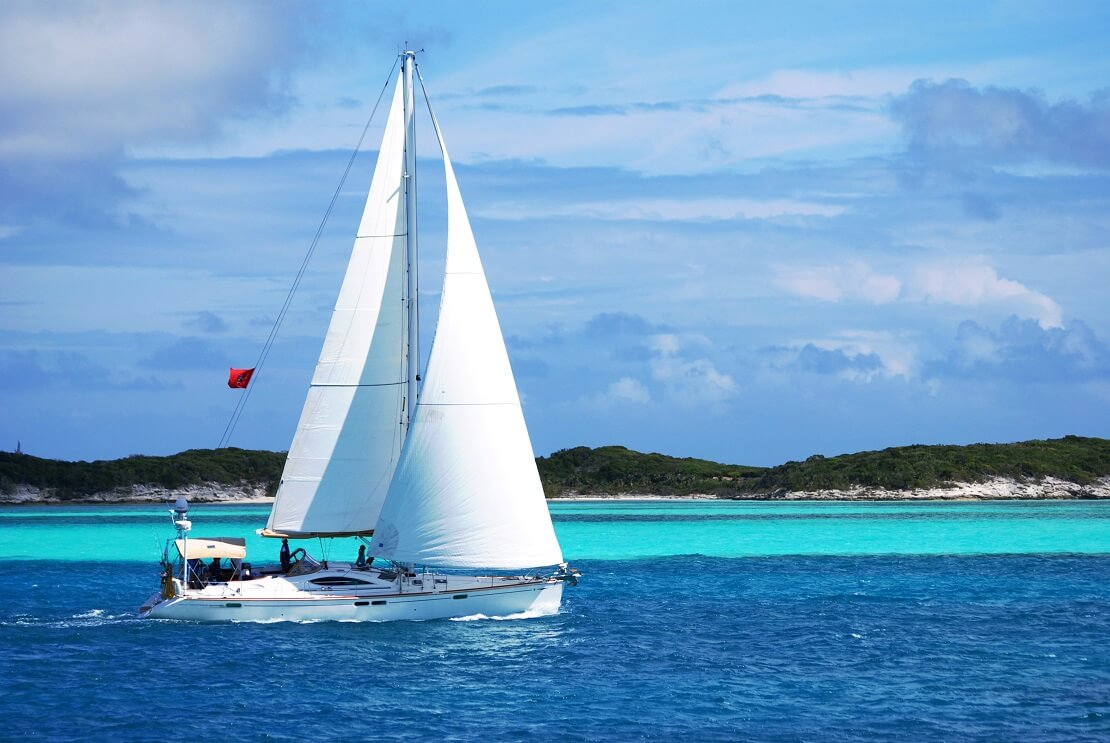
1068,467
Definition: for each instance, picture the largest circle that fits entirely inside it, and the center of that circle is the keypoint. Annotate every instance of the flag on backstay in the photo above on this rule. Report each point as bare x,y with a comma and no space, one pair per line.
239,378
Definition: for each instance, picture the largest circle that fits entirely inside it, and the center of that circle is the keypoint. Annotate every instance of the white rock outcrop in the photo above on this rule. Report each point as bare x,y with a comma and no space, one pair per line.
209,492
996,488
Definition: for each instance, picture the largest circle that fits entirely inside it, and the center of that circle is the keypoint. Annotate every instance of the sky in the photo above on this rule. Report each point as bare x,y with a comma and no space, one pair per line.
742,231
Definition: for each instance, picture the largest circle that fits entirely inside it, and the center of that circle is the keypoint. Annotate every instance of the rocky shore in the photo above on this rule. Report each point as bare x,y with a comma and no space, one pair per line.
210,492
999,488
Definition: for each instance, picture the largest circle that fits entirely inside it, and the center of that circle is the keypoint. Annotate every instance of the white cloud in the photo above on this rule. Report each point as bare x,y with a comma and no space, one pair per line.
854,282
91,78
665,209
823,84
898,353
665,344
973,284
855,355
954,123
961,283
688,381
628,389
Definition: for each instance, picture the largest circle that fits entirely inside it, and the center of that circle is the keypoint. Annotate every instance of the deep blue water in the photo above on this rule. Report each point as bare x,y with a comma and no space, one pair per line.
888,647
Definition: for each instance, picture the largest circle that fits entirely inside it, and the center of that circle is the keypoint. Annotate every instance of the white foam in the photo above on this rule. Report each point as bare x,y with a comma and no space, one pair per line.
91,618
528,614
91,614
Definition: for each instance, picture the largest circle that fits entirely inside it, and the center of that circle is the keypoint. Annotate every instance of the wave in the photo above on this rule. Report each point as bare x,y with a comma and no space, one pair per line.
529,614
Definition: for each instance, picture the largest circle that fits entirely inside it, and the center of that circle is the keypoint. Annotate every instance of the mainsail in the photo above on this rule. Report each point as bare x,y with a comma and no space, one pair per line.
466,492
349,437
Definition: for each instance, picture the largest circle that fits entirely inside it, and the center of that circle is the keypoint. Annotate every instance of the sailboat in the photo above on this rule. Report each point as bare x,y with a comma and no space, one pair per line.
434,477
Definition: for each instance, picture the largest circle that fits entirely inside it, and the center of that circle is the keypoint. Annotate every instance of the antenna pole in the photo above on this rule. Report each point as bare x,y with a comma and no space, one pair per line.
409,62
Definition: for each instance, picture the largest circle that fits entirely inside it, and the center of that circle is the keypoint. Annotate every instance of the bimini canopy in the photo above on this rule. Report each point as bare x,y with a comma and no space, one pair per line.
199,549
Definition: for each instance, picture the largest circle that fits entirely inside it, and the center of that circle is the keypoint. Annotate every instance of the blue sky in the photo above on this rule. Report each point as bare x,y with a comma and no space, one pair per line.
712,229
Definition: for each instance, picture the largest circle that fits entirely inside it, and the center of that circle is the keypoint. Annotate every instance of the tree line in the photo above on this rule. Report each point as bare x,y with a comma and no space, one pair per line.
616,469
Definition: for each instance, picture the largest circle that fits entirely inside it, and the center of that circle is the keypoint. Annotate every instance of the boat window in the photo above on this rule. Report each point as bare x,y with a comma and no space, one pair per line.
339,581
303,566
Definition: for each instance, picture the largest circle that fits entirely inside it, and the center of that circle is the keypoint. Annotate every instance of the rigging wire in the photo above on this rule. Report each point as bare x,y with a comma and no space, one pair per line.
412,241
431,114
443,152
229,429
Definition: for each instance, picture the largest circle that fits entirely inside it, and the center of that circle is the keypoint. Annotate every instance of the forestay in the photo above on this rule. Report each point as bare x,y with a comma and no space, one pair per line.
466,492
349,437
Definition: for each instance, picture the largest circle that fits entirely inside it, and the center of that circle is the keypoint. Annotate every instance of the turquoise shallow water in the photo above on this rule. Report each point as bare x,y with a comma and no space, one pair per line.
627,529
695,621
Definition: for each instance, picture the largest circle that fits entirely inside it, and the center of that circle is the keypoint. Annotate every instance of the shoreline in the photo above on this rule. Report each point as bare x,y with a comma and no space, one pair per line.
621,498
996,488
245,493
792,499
136,502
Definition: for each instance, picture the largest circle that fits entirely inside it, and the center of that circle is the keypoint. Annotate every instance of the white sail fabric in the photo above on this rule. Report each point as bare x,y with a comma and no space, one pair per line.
466,492
348,440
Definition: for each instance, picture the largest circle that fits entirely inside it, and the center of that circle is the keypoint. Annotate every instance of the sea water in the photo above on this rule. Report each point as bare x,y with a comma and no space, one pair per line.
694,621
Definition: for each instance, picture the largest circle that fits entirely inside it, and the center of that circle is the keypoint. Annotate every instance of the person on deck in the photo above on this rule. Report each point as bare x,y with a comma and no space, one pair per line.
214,570
197,573
284,555
361,561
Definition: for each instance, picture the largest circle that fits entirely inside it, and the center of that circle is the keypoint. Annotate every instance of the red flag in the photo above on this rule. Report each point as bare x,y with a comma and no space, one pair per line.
239,378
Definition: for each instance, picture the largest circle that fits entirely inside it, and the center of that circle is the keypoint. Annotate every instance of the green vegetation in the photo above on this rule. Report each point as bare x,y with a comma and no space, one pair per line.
1071,458
615,469
72,480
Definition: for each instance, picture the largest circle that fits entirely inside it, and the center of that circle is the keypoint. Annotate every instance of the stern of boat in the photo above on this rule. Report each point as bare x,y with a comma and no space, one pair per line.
148,606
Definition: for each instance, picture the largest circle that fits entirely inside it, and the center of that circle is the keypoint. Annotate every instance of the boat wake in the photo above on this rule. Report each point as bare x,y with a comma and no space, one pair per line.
91,618
90,614
529,614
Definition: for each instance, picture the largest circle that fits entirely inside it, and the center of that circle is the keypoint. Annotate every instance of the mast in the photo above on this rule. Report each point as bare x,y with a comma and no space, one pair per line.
411,308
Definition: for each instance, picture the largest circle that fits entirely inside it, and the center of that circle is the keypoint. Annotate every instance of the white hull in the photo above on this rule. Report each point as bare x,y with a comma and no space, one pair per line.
277,598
